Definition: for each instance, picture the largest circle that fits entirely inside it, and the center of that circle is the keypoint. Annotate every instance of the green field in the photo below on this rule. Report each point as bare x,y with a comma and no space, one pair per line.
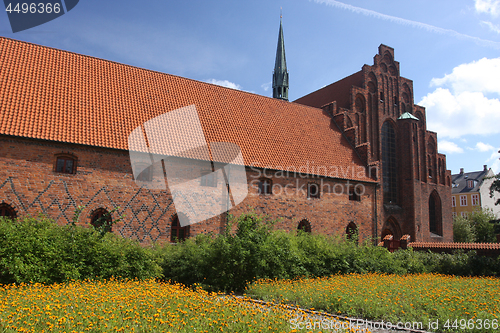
458,304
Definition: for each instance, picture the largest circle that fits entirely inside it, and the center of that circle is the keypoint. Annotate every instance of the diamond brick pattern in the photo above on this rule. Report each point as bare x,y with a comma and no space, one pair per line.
142,221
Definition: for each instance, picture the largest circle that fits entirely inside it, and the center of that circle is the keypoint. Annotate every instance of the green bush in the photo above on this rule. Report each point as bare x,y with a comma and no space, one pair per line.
38,250
475,228
463,230
485,232
230,261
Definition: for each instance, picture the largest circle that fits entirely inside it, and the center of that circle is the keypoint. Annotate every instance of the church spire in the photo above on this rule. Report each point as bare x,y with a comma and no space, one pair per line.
280,75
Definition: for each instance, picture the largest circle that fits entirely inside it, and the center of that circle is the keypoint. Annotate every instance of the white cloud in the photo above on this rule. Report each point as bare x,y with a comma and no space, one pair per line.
448,147
414,24
484,147
225,83
495,158
266,86
491,7
494,28
462,103
481,75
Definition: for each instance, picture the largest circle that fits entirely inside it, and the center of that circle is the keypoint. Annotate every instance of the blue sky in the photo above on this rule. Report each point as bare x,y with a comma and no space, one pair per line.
450,49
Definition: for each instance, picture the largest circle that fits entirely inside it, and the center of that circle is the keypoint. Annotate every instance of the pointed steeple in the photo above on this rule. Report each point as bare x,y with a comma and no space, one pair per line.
280,75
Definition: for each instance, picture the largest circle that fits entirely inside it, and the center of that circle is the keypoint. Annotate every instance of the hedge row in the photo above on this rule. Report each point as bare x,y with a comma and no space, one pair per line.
38,250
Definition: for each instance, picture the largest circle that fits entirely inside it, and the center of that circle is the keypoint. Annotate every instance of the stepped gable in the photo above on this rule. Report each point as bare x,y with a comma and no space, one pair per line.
56,95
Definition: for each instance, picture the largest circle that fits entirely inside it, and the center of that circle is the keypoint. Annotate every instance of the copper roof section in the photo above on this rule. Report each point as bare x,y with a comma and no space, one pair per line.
57,95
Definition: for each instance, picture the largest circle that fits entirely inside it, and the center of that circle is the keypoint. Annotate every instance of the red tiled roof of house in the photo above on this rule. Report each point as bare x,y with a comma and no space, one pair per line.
57,95
468,246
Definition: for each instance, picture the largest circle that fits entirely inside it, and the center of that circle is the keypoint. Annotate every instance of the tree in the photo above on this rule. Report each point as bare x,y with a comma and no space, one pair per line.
463,230
484,229
495,187
475,228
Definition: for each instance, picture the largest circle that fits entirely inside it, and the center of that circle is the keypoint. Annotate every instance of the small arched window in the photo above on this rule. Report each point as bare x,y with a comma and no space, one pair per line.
7,211
65,163
351,231
304,225
101,219
177,232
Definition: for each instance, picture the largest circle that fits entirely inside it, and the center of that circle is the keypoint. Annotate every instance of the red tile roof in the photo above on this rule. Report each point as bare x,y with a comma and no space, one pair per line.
57,95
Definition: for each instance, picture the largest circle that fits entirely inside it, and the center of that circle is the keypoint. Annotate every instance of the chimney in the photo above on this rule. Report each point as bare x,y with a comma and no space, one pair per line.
461,171
485,167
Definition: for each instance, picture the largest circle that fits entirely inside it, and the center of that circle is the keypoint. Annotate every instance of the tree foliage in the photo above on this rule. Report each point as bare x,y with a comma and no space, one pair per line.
475,228
495,187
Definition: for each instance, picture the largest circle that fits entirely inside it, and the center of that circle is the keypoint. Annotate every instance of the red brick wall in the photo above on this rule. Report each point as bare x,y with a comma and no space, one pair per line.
384,96
104,179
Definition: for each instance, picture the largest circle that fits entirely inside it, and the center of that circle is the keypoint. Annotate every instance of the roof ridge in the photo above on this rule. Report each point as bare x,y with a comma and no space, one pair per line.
140,68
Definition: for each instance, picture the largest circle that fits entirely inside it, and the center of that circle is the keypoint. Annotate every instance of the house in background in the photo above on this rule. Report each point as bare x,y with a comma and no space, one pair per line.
471,191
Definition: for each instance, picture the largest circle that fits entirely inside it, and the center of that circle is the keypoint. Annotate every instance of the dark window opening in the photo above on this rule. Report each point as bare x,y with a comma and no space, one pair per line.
265,186
353,195
101,219
305,226
178,233
435,214
313,191
7,211
389,170
66,164
382,97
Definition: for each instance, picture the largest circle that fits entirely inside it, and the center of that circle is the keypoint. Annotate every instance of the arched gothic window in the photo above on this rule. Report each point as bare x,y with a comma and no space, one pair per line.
435,220
389,170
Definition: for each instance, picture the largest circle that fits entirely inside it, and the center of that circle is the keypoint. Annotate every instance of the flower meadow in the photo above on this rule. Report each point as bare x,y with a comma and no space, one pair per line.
133,306
457,304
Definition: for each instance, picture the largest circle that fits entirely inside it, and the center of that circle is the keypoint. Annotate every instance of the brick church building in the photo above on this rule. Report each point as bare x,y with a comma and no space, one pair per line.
354,156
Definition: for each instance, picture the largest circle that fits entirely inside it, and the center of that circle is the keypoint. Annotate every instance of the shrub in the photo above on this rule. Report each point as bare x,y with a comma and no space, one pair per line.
38,250
475,228
484,229
463,230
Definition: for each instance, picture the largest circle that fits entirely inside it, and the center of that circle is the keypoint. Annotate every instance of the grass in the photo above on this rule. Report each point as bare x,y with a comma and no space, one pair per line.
131,306
424,298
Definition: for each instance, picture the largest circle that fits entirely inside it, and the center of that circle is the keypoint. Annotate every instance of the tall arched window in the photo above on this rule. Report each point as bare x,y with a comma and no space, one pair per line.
177,232
101,218
7,211
389,170
435,221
